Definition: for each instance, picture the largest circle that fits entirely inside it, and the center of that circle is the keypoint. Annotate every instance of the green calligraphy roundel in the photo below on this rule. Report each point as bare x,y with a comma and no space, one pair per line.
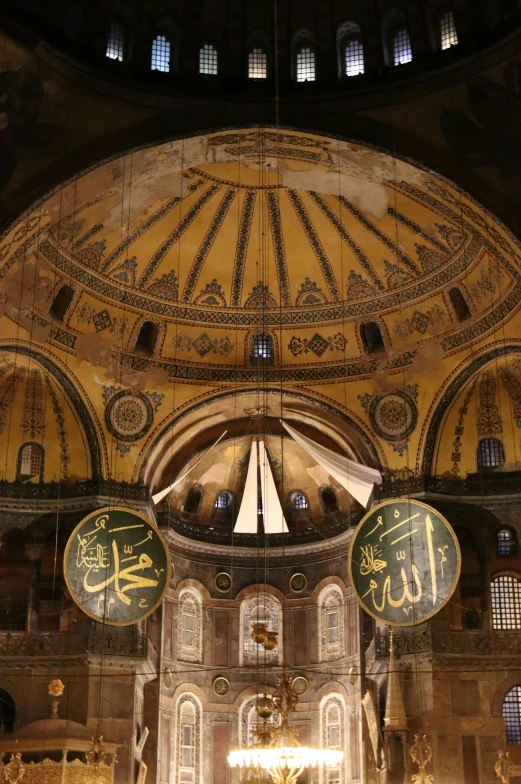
117,566
404,562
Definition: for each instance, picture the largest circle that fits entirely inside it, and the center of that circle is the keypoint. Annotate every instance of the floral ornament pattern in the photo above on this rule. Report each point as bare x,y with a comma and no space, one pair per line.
129,416
419,322
459,429
204,344
317,344
393,416
489,418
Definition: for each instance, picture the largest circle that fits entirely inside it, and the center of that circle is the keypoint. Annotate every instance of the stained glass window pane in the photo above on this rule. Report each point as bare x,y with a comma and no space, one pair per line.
512,716
257,64
448,32
31,460
402,47
208,60
160,60
354,54
490,453
505,543
506,602
262,346
300,501
305,64
222,501
116,42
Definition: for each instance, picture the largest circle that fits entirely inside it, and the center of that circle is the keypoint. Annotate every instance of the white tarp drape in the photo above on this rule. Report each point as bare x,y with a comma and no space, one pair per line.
159,496
272,514
247,517
356,478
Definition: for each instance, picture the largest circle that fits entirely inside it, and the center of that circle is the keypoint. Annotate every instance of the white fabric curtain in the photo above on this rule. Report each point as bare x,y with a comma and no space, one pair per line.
272,514
357,479
159,496
247,517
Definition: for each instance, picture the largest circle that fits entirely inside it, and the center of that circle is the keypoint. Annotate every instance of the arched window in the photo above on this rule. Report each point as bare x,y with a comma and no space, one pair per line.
395,38
402,52
371,337
354,57
331,623
61,303
448,32
512,716
116,42
189,627
72,21
333,734
506,602
193,500
147,338
261,608
299,500
329,500
257,63
506,543
262,347
188,740
160,58
305,69
30,461
490,453
7,711
459,303
208,60
223,500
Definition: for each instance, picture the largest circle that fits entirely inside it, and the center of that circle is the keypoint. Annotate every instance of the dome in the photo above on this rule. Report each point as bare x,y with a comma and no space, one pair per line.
337,251
54,728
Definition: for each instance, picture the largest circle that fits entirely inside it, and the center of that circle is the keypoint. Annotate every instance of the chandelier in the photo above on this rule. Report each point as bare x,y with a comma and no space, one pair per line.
276,750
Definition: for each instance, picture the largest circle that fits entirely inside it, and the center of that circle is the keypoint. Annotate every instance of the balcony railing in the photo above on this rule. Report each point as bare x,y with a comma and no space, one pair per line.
92,640
500,483
496,644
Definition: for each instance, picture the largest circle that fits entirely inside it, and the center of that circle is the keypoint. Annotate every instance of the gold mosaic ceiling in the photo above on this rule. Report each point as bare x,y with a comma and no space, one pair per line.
215,237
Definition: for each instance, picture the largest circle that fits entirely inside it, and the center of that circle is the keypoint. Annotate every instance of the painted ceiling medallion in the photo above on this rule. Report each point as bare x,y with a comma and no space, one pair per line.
393,416
129,417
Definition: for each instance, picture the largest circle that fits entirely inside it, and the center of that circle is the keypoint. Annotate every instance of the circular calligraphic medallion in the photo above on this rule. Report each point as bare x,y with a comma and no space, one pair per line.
223,582
221,686
404,562
116,566
129,417
298,582
300,685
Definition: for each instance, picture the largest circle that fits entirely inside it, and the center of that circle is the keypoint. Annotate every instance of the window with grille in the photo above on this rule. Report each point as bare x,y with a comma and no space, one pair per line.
189,627
305,64
402,52
222,501
490,453
332,627
354,57
116,42
160,60
262,346
333,734
512,716
505,542
208,60
257,64
300,501
30,461
506,602
448,32
259,504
